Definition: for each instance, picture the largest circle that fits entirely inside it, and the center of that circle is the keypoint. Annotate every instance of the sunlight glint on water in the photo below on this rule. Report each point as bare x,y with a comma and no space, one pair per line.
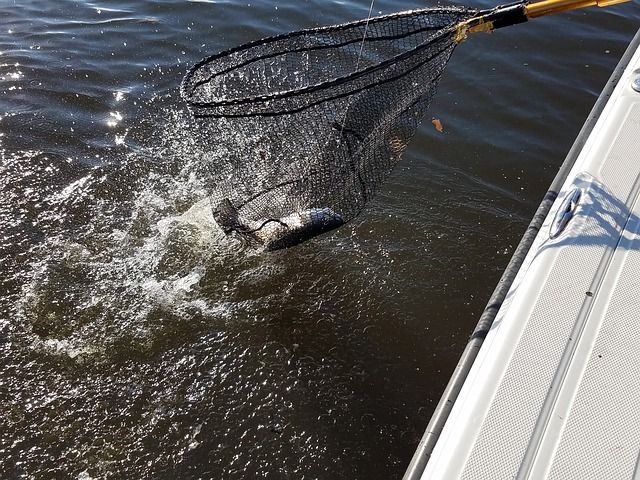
136,341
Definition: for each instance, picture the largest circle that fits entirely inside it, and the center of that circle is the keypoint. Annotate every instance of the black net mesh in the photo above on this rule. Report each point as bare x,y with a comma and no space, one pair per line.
314,121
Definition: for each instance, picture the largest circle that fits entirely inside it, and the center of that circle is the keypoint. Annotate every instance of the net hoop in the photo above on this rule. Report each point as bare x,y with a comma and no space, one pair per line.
268,105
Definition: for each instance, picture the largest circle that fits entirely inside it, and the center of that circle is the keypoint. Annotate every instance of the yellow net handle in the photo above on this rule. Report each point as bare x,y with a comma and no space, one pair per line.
548,7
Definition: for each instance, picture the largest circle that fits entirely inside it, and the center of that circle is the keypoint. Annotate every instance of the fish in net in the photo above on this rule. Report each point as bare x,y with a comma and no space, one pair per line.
314,121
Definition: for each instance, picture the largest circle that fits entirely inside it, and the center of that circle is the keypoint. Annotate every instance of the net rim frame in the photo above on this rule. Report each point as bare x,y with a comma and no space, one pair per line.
274,113
188,86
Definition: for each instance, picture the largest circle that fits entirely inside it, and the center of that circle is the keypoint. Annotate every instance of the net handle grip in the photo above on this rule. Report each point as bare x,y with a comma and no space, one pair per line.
512,14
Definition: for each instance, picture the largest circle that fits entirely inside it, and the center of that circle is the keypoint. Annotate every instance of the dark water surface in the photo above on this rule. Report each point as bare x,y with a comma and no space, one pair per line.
136,343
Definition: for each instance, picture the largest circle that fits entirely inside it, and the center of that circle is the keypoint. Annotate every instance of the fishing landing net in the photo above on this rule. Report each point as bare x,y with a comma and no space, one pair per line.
314,121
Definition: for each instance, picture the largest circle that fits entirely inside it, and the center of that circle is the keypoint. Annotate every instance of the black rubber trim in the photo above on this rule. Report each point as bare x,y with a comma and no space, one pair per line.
436,424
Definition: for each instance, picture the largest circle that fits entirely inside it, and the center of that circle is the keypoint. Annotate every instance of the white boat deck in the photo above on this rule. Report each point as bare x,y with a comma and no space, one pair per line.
554,392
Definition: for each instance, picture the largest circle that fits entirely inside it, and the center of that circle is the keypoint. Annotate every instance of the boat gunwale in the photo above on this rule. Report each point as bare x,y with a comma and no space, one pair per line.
441,413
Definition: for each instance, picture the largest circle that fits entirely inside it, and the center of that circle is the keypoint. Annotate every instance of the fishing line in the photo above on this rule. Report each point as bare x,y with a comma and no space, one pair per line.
364,37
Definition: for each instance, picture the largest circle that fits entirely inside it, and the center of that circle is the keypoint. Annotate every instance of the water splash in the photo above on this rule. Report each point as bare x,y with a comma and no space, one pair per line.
123,275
